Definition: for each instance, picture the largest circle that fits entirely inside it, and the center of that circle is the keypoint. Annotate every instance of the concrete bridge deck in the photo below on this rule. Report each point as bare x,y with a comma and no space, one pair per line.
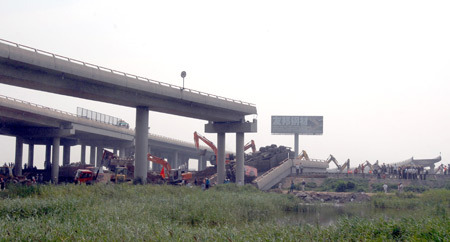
37,125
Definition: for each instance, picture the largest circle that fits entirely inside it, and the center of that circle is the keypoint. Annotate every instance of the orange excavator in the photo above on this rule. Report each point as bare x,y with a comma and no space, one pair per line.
173,176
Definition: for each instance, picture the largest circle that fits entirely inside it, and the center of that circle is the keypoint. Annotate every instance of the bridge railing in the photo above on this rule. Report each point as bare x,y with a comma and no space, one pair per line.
119,72
37,105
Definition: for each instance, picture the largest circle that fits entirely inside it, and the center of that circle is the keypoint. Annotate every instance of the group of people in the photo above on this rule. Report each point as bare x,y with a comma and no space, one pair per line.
406,172
399,187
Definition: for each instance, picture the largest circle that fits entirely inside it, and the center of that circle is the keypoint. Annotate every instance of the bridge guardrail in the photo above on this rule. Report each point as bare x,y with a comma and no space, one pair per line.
56,56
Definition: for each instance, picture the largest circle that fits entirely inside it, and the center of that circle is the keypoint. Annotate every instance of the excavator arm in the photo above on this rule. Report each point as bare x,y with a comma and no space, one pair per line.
250,144
198,137
303,155
162,162
346,165
331,158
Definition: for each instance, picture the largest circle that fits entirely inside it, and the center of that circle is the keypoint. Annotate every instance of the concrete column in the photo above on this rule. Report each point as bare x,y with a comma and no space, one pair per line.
115,151
30,155
221,158
18,157
48,156
296,145
122,153
240,158
149,163
200,163
98,162
432,168
141,146
176,160
55,161
83,154
92,155
66,155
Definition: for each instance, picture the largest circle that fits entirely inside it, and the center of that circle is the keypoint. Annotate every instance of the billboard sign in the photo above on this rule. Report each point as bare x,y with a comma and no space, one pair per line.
304,125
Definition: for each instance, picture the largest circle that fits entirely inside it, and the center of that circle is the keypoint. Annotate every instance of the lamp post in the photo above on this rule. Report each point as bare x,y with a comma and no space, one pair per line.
183,75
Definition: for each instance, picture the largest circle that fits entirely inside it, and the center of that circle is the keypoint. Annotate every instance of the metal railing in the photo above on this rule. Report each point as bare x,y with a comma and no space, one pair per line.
56,56
37,105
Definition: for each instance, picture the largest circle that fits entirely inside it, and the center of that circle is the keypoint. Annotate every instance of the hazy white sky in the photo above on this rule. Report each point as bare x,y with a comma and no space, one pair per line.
378,71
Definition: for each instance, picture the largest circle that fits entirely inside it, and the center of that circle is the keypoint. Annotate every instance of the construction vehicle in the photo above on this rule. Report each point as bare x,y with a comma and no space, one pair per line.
86,176
339,167
173,176
439,169
248,170
122,168
303,156
330,159
121,123
345,165
250,144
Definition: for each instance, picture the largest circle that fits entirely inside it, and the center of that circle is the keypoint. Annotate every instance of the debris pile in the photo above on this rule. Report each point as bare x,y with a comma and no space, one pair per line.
206,173
268,157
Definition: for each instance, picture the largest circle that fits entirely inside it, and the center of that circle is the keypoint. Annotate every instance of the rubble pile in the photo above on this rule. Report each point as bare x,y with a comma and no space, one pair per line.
206,173
268,157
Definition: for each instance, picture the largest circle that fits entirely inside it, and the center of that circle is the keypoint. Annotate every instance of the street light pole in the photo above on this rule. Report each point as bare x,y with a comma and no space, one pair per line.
183,75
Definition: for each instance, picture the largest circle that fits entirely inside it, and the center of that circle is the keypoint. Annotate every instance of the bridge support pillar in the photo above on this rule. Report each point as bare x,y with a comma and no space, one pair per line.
141,146
149,163
30,155
83,155
296,145
122,153
18,157
66,155
239,128
221,158
99,156
176,162
92,155
115,151
200,163
48,156
432,168
55,160
240,158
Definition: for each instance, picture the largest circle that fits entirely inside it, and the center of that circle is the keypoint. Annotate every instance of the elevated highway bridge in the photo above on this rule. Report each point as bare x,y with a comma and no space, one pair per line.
31,68
34,124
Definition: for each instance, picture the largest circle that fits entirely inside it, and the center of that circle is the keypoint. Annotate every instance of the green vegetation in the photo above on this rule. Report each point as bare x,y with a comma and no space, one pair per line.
344,185
126,212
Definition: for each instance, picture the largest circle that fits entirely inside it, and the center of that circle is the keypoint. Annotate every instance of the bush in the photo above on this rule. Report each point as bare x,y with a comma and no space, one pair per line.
19,190
311,185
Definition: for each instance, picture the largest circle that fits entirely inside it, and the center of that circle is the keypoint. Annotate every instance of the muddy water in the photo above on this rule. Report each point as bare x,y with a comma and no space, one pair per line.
328,214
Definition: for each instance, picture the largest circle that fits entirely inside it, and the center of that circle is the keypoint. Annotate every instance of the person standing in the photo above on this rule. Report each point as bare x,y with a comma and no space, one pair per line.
207,184
292,187
303,185
385,187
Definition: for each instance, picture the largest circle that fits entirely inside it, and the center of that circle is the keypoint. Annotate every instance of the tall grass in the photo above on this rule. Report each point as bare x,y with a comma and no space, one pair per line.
168,213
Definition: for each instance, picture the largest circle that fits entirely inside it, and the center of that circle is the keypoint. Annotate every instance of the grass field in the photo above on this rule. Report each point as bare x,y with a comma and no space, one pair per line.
225,213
